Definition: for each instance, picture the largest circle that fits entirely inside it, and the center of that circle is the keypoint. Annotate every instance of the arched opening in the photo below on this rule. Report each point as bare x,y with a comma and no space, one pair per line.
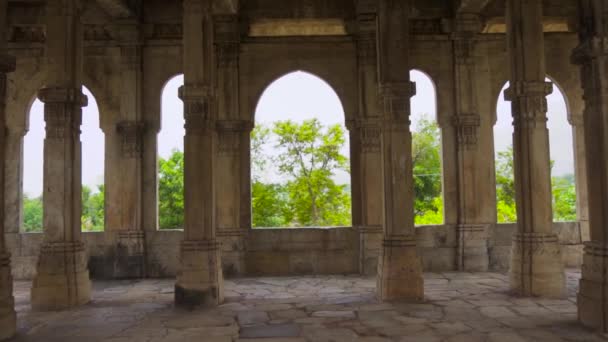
300,149
561,146
426,152
93,191
171,157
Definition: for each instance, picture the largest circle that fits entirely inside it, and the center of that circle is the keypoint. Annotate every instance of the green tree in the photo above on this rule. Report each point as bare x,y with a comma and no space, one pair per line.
426,158
564,198
32,214
171,191
505,187
309,155
93,209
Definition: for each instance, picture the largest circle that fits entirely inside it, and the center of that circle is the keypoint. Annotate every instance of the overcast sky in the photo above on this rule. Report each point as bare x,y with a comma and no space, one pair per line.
297,96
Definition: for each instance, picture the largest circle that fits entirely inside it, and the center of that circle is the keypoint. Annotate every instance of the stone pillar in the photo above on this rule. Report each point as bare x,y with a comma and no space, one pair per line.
233,195
8,318
536,264
580,172
592,56
399,267
365,133
130,246
199,281
472,225
62,278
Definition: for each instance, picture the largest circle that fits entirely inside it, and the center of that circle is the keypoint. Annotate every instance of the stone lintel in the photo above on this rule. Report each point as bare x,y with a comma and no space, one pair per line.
400,270
536,265
592,300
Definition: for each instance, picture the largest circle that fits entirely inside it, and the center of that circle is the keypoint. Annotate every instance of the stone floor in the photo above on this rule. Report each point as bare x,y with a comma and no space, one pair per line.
459,307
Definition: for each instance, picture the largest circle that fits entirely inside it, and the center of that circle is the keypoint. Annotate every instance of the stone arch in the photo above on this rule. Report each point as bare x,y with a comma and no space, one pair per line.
92,160
170,138
424,111
260,92
329,110
503,125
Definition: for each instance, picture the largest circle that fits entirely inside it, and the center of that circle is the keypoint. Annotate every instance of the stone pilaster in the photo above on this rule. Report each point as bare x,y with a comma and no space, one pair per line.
128,258
232,228
8,318
472,226
592,56
365,133
536,265
62,278
399,267
200,279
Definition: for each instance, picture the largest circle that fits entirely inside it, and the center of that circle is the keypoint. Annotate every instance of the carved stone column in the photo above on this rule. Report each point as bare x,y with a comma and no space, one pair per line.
233,190
232,228
592,56
365,133
199,281
399,268
126,192
472,226
536,264
62,278
7,303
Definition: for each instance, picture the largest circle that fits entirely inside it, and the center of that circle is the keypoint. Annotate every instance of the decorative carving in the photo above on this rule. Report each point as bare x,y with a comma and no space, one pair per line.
199,103
395,101
27,34
529,102
426,26
536,244
466,129
370,139
227,54
62,111
96,33
132,138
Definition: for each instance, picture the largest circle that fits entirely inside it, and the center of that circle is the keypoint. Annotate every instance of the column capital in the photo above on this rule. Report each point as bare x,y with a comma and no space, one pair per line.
131,133
198,108
595,46
7,63
64,95
466,128
395,101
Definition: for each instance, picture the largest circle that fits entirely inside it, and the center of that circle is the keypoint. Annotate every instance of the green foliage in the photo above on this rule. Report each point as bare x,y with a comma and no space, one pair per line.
563,190
32,214
564,198
171,191
307,156
426,158
92,219
505,187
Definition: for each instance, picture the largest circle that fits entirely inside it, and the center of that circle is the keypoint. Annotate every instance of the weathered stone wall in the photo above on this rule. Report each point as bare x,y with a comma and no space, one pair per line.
298,251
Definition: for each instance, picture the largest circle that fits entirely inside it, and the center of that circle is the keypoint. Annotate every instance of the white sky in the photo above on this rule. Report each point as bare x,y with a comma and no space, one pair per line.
297,96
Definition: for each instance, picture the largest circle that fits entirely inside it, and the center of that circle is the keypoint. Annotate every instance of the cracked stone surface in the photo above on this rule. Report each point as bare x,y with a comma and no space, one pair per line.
458,307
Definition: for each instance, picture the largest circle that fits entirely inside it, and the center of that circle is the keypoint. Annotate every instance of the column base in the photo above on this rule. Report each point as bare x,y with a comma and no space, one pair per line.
129,257
593,290
200,281
8,318
400,271
472,247
62,279
536,265
233,246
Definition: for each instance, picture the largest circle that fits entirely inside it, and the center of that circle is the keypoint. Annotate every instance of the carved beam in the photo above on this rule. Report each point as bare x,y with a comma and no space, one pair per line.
116,8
